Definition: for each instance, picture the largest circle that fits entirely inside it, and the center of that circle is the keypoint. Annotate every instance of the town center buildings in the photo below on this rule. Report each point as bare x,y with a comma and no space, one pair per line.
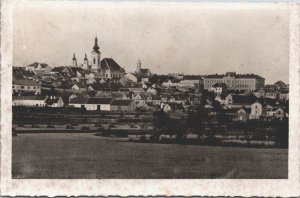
248,82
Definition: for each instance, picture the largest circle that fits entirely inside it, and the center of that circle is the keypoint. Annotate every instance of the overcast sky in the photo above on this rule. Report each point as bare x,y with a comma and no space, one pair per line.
190,38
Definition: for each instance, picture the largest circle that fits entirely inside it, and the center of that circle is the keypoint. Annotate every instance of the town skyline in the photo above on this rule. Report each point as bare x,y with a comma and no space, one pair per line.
163,46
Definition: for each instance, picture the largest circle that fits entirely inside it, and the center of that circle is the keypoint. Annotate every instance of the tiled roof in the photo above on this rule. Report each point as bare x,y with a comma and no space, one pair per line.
233,74
78,100
25,82
111,63
99,100
121,102
52,100
29,97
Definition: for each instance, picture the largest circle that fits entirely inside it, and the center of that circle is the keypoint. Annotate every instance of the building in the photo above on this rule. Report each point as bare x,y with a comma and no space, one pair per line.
53,101
39,67
235,81
122,105
242,114
85,65
191,81
284,95
36,101
219,88
257,110
142,73
111,69
99,104
79,87
21,86
132,77
74,61
96,57
275,112
78,102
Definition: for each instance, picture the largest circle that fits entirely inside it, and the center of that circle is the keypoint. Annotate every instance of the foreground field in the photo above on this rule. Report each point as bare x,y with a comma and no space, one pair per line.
84,156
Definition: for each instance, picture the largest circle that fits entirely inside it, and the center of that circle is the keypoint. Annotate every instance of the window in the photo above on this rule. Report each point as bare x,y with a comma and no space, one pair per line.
13,86
94,61
22,87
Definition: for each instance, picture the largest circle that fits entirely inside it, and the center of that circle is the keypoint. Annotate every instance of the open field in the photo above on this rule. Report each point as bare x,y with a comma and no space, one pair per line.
80,156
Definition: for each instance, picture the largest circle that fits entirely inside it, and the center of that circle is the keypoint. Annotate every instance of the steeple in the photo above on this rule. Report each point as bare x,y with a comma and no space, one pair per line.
85,58
138,66
74,58
96,47
74,61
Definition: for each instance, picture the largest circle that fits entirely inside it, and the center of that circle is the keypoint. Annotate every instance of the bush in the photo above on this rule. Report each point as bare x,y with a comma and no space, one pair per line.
34,126
142,139
85,128
69,127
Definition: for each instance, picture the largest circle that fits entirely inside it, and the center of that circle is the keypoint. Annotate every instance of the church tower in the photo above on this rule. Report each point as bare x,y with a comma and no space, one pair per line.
85,63
96,55
74,61
138,66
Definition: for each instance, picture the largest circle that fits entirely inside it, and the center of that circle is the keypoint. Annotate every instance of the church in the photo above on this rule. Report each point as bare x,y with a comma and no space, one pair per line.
106,68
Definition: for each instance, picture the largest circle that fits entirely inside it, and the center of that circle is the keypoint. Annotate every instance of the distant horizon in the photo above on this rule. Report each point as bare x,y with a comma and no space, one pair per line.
196,40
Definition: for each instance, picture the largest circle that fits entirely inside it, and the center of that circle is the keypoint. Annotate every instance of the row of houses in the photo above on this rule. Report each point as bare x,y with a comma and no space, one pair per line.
258,110
92,103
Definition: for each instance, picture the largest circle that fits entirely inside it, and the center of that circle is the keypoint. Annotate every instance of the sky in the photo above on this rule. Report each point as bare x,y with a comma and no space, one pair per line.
190,38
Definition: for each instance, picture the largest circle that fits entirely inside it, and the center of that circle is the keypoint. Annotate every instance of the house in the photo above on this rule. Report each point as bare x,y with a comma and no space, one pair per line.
242,114
78,102
257,110
152,91
79,87
132,77
145,85
123,105
271,94
99,104
166,107
39,67
241,100
36,101
284,95
275,112
145,79
90,81
53,101
219,88
259,93
191,81
26,86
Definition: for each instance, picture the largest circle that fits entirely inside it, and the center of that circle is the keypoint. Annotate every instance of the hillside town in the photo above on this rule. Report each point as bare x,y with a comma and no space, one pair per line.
100,84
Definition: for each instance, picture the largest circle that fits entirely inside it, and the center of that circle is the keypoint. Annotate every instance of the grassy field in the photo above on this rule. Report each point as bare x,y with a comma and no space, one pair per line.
86,156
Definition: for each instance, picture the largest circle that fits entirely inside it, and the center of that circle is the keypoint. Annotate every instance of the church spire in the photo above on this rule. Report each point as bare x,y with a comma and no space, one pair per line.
74,58
85,58
96,47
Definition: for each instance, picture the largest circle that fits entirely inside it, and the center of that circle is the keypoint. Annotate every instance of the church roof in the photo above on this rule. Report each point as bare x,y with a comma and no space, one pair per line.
109,63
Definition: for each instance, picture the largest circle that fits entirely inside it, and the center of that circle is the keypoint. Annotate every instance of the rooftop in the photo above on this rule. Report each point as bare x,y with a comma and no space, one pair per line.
121,102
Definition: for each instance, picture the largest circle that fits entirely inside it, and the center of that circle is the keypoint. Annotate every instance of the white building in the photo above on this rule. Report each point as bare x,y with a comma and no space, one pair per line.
100,104
235,81
257,110
36,101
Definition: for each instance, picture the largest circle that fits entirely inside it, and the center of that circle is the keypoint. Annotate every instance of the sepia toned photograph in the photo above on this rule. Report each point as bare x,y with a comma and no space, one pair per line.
123,90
